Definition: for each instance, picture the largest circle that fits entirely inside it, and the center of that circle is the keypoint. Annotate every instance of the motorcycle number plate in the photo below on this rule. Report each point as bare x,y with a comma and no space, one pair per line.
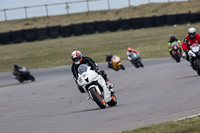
80,79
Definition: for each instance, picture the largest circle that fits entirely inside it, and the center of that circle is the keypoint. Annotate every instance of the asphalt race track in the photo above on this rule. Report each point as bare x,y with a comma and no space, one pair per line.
161,91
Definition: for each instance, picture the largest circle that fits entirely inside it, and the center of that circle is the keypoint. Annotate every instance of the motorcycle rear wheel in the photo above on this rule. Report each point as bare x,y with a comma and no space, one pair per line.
98,98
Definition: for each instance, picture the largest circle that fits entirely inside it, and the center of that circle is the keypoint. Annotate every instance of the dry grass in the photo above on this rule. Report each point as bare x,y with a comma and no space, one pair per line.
134,11
150,42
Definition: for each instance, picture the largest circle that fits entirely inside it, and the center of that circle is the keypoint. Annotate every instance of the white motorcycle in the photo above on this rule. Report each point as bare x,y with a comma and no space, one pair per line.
95,85
194,56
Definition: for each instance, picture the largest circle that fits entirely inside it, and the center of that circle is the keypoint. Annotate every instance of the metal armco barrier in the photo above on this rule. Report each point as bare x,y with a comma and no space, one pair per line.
34,34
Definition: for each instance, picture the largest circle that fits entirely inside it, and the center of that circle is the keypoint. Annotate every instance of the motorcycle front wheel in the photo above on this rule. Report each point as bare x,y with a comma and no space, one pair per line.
122,67
113,102
32,78
178,57
198,66
20,80
98,98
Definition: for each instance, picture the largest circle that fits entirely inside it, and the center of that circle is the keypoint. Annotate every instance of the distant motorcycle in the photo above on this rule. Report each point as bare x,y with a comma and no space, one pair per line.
94,84
194,56
136,60
176,51
117,63
24,75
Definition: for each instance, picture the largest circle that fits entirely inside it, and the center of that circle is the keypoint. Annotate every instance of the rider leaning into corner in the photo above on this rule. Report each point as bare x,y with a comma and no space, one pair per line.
78,59
173,39
190,39
16,69
130,51
108,59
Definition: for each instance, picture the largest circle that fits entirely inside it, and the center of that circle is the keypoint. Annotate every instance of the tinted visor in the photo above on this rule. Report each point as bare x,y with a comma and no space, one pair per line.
76,59
192,34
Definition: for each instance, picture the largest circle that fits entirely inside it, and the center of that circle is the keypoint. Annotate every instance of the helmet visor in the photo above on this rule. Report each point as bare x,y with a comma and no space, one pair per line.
192,34
76,59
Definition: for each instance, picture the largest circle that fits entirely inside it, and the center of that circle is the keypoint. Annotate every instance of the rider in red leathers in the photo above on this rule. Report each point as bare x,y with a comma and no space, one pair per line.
190,39
130,51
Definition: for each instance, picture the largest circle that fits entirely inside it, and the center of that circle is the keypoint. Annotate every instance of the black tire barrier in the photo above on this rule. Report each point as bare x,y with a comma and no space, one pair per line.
66,31
148,22
125,24
102,26
194,17
99,26
160,20
30,35
137,23
89,28
17,36
41,33
77,29
113,25
5,38
54,31
171,19
182,18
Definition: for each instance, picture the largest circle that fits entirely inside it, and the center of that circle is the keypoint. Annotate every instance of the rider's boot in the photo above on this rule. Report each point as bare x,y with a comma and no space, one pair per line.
110,86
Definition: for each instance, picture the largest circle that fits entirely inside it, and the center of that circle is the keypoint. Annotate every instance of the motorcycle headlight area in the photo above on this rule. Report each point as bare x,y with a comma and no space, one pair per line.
195,49
175,47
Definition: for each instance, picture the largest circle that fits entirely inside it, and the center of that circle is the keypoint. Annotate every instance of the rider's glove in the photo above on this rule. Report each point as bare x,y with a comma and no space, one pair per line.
80,89
97,71
186,52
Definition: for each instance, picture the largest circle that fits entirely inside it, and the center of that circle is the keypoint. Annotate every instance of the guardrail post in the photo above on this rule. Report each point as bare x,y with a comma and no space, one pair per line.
129,3
47,10
108,4
67,7
25,8
88,5
5,14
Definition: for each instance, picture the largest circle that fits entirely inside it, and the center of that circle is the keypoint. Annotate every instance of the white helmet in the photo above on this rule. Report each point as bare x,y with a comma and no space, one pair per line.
192,33
76,57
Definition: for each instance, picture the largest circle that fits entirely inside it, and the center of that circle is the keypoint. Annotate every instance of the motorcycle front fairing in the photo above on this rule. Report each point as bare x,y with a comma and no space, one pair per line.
86,76
195,51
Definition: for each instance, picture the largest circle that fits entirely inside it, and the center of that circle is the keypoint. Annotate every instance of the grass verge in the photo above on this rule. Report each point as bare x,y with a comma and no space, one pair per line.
189,125
150,42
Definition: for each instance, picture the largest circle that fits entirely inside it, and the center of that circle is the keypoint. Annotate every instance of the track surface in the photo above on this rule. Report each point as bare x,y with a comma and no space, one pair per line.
161,91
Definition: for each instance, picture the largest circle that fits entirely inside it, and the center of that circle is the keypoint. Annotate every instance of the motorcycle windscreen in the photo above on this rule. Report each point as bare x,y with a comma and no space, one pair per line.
82,68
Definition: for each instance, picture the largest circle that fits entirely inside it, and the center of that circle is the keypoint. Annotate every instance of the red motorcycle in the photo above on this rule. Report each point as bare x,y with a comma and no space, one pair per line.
176,51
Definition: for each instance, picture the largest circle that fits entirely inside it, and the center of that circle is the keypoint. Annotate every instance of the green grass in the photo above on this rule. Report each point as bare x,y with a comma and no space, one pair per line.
150,42
189,125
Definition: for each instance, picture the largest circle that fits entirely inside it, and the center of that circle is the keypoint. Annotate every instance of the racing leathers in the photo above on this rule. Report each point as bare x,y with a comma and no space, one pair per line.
94,66
129,53
108,59
187,42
